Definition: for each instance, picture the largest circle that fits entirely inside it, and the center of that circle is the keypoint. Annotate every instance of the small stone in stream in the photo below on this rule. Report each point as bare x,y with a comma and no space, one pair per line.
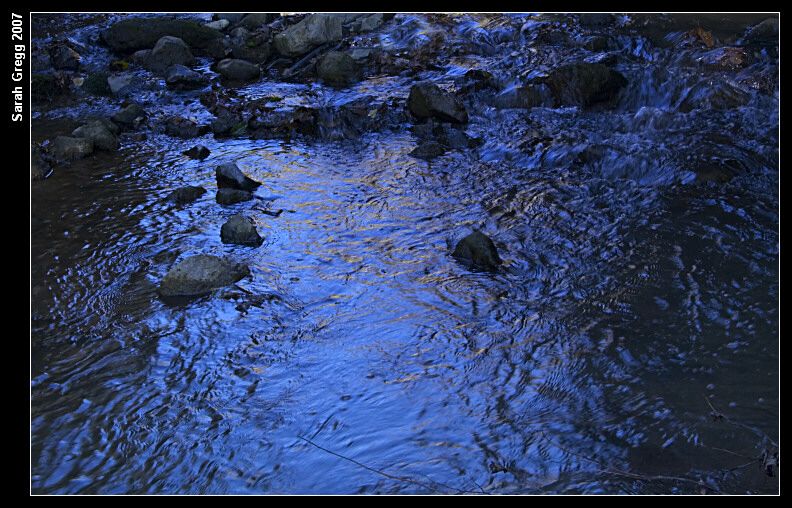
312,31
584,84
181,127
168,51
129,116
227,196
120,84
229,175
68,149
97,83
220,24
240,230
254,48
39,168
197,152
479,250
198,275
180,77
234,69
427,100
226,123
428,150
188,194
63,57
99,133
338,69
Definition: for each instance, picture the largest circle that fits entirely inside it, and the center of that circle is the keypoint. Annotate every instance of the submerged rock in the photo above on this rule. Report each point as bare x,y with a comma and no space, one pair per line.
180,77
68,149
428,100
184,195
240,230
167,52
719,95
234,69
228,175
198,275
584,84
428,150
132,34
479,250
130,117
338,69
228,196
180,127
197,152
99,133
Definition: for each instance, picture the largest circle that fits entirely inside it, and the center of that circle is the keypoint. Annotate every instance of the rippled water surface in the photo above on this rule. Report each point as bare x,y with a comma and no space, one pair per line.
634,295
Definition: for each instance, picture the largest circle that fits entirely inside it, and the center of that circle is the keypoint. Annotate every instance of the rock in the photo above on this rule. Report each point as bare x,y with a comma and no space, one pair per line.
312,31
99,133
130,117
184,195
234,69
47,86
197,275
763,34
98,83
428,100
39,168
220,24
523,97
455,138
253,48
700,36
197,152
233,17
180,77
120,84
63,57
228,196
719,95
726,58
479,250
228,175
167,52
227,123
180,127
240,230
68,149
338,69
132,34
219,48
257,19
584,84
596,19
428,150
369,23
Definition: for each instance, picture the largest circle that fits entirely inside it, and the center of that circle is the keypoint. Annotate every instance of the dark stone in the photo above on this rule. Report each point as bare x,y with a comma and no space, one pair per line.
718,95
428,150
228,196
197,152
181,127
427,100
198,275
338,69
132,34
240,230
184,195
63,57
180,77
585,84
99,133
68,149
234,69
167,52
96,84
39,168
229,175
129,117
478,250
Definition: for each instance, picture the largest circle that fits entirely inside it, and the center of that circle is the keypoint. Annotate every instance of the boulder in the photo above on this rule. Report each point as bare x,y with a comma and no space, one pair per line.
68,149
312,31
240,230
584,84
228,196
180,77
338,69
197,152
478,250
130,117
253,47
97,83
427,100
229,176
257,19
234,69
184,195
227,123
763,34
132,34
99,133
198,275
180,127
63,57
220,24
167,52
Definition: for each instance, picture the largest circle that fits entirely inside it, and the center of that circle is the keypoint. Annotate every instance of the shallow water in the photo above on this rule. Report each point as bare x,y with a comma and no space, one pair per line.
631,295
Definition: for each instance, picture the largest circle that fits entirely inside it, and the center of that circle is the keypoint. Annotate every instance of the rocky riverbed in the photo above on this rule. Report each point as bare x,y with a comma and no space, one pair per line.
524,253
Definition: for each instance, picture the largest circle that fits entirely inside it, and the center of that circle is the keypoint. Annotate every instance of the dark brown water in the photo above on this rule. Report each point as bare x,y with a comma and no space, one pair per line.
632,295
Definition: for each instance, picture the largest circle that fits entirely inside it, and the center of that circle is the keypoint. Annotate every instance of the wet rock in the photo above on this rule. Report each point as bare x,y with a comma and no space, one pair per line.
368,23
228,196
428,150
64,57
219,48
256,20
47,86
596,19
184,195
180,127
312,31
479,250
120,84
229,176
99,133
98,83
522,97
197,275
132,34
220,24
39,168
254,48
234,69
717,95
227,123
427,100
180,77
726,58
68,149
596,43
763,34
130,117
338,69
584,84
167,52
240,230
700,36
197,152
233,17
477,79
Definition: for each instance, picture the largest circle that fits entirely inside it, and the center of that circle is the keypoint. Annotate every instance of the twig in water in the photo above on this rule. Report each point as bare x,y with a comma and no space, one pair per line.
720,416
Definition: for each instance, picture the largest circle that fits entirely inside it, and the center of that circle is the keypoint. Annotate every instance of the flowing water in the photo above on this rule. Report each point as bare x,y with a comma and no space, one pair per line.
637,297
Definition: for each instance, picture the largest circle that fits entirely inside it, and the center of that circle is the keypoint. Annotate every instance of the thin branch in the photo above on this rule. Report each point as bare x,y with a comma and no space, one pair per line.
718,415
